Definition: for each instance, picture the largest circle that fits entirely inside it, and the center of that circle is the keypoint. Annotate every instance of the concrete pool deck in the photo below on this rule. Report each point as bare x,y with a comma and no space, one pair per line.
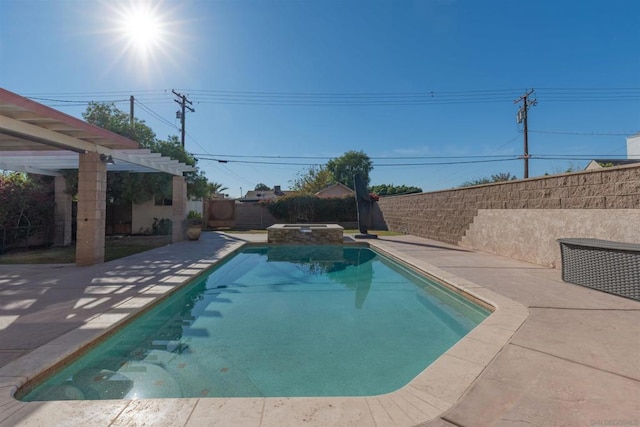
552,354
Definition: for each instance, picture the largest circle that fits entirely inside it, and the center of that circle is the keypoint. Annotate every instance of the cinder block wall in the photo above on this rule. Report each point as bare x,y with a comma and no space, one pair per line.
522,219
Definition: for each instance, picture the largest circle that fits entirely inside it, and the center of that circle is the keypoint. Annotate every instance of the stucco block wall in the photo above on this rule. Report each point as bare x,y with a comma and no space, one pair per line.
142,216
522,219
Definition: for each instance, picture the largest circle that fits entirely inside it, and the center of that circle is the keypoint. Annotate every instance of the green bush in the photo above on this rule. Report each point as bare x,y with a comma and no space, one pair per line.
162,226
26,204
194,219
299,209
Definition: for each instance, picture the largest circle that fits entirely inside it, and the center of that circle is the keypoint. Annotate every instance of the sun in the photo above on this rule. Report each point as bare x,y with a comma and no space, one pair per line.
142,27
143,36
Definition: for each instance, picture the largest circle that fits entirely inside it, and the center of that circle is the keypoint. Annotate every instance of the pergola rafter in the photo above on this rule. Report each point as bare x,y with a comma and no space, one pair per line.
38,139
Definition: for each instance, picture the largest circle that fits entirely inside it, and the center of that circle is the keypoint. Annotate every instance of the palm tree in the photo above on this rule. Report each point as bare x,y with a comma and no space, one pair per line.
215,188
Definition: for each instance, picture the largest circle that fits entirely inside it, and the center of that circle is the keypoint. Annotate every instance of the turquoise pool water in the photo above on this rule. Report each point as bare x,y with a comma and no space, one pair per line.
277,321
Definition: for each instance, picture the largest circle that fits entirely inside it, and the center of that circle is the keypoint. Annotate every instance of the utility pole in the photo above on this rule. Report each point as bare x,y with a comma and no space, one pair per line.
183,101
131,121
522,117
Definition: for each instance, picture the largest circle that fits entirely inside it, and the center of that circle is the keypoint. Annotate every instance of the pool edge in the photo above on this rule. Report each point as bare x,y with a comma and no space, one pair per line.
435,390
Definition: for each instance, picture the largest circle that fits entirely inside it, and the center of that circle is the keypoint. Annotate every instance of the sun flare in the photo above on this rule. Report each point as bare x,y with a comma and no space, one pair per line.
142,27
142,36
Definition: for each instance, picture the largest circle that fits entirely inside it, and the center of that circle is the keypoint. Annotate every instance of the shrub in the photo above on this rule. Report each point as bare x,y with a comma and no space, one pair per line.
194,219
26,204
297,209
162,226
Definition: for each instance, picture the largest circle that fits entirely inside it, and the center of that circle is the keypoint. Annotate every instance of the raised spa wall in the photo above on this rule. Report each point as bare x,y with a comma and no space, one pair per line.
305,234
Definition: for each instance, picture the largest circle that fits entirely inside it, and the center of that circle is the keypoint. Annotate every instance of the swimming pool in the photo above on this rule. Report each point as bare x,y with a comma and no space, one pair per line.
277,321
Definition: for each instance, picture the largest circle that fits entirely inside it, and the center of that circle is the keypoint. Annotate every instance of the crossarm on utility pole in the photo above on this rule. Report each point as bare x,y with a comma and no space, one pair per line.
522,118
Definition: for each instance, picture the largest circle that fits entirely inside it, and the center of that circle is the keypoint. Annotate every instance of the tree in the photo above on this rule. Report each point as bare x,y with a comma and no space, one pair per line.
215,188
196,181
108,116
343,168
499,177
390,190
262,187
312,180
503,176
135,187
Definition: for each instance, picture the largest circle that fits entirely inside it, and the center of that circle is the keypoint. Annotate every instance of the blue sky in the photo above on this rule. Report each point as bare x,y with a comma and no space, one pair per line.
410,83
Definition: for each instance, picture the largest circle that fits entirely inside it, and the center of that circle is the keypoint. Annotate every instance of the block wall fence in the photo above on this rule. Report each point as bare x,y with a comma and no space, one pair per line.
522,219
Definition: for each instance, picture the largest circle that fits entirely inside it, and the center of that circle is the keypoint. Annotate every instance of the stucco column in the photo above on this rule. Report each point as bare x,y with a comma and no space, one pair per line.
179,202
62,215
92,195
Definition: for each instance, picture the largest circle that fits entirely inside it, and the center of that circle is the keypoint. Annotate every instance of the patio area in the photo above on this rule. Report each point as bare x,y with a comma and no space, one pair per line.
552,354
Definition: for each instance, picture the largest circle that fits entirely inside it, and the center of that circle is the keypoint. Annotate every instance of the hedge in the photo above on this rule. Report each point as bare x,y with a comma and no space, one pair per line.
297,209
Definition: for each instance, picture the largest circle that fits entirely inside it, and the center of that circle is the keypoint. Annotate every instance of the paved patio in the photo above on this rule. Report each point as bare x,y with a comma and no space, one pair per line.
552,354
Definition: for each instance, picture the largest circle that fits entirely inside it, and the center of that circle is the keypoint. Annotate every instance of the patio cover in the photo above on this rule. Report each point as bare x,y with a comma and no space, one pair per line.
38,139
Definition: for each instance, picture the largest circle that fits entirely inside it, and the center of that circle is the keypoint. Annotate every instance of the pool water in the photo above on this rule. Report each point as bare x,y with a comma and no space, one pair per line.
277,321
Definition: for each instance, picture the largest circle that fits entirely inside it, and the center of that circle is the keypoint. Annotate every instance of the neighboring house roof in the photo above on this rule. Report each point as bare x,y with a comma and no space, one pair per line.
598,163
257,195
260,195
335,190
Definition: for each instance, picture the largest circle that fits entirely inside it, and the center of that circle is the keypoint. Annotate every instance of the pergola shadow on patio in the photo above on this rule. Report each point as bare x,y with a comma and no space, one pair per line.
37,139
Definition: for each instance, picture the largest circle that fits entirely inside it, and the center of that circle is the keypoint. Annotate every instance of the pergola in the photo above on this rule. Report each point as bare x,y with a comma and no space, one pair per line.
38,139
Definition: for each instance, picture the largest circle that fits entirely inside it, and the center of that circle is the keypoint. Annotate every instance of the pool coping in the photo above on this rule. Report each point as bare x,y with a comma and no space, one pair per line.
435,390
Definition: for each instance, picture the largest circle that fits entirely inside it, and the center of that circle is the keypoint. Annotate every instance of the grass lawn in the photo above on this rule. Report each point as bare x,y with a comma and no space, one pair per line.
114,248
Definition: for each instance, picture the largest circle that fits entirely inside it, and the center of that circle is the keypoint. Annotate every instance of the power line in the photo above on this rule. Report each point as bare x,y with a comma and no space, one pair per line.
199,145
574,156
584,133
558,90
76,101
240,177
156,115
446,163
371,157
344,99
219,160
491,157
458,173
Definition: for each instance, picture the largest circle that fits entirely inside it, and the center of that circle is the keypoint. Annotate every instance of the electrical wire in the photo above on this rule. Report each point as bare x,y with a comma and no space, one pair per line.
583,133
82,102
376,165
346,99
370,157
155,115
191,138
